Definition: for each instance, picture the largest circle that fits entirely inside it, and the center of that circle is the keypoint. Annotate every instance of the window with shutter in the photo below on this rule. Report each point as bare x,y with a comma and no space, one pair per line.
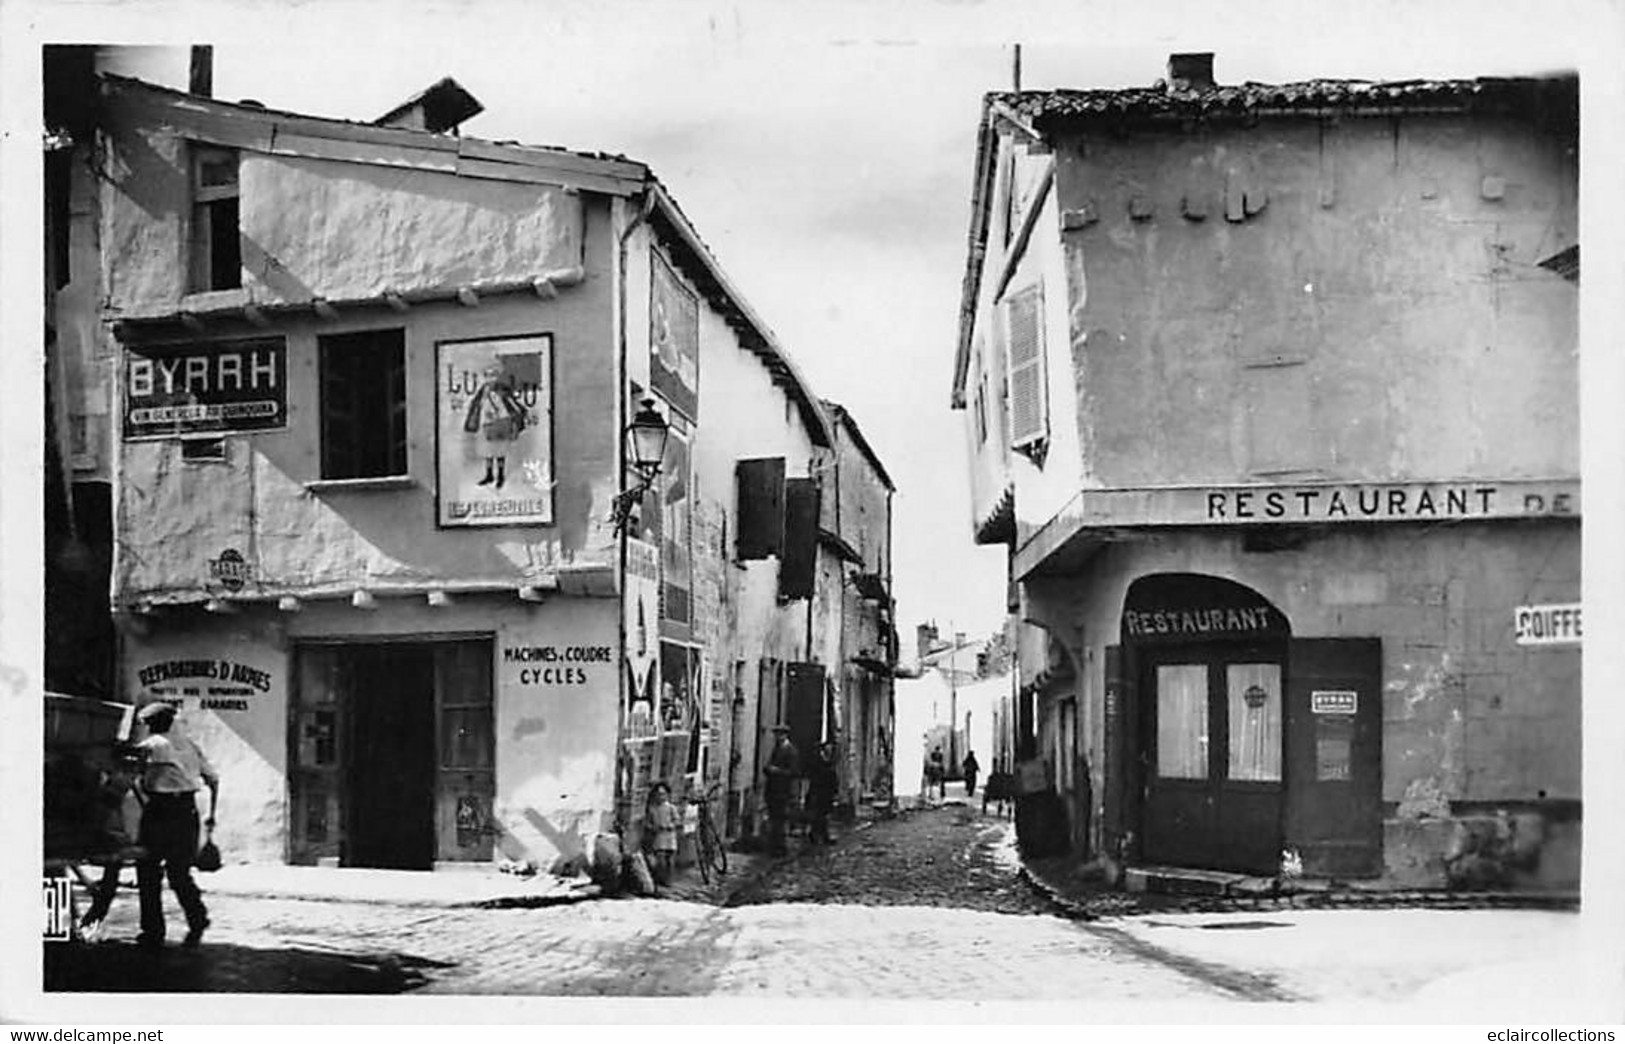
798,563
761,508
1029,404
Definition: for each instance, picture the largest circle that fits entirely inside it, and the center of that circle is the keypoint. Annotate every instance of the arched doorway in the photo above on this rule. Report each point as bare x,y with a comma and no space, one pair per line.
1210,659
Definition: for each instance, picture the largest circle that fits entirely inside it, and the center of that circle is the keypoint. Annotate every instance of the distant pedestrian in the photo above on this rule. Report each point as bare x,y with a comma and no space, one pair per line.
822,782
660,819
175,768
936,773
781,770
970,769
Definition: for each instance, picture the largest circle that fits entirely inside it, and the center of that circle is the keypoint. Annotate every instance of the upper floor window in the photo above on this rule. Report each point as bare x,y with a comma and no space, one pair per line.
363,390
1029,398
216,255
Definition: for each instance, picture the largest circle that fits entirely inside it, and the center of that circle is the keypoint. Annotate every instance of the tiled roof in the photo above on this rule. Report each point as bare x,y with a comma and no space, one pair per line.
1258,98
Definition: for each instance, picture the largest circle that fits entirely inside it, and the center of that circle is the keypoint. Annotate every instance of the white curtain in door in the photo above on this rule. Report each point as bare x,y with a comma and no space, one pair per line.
1182,736
1254,691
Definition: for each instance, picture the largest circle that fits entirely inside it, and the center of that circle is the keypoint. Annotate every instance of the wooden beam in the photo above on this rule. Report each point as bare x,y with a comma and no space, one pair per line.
256,315
325,310
555,176
396,301
558,159
467,296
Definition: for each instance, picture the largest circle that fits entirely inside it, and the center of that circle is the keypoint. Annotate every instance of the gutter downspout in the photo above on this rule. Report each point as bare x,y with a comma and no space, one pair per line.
620,484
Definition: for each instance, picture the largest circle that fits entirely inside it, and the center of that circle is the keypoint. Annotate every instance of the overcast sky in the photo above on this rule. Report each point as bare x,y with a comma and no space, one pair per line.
823,150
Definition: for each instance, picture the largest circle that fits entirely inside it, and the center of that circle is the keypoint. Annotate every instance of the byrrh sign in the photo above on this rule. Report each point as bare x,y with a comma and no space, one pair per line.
202,387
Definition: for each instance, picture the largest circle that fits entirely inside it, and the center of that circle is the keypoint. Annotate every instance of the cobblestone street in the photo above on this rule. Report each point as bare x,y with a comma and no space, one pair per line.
951,856
929,905
926,905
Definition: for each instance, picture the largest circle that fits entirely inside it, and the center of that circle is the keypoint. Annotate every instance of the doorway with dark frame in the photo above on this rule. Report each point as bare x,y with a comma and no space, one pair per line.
391,753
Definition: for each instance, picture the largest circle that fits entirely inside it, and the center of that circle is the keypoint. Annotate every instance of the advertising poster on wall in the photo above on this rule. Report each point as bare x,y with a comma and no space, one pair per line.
494,421
642,606
676,507
189,389
674,339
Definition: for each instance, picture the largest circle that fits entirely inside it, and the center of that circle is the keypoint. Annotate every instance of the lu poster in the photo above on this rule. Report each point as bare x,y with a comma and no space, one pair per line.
494,405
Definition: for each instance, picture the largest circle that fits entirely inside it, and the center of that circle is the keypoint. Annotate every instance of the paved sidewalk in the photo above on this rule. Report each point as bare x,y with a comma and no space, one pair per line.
1078,889
473,886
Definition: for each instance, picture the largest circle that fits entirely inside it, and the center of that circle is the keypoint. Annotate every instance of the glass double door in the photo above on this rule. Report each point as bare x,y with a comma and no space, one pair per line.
1213,758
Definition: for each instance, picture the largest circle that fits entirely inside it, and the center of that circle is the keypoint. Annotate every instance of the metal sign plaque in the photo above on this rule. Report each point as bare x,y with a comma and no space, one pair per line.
206,387
1334,702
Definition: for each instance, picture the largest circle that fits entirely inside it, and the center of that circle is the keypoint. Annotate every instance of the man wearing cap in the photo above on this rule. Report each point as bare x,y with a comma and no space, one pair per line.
174,768
783,765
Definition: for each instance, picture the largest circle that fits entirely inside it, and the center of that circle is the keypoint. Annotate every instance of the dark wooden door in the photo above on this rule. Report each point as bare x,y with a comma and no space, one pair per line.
392,764
1213,758
1334,754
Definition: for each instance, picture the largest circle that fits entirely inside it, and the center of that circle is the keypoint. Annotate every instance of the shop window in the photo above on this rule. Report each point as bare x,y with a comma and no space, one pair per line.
363,391
1254,697
1182,733
216,254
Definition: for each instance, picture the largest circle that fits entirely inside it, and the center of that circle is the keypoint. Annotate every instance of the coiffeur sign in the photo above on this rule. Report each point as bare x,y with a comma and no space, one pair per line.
494,408
1547,624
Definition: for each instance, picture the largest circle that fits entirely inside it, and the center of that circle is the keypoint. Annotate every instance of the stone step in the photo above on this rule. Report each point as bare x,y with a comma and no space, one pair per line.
1179,880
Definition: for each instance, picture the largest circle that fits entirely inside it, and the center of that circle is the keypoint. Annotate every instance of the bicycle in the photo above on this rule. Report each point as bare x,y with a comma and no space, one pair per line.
709,852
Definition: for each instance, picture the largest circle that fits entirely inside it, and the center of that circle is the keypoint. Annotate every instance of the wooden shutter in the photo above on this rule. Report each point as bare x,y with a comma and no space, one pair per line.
1029,405
1334,758
804,710
799,561
760,484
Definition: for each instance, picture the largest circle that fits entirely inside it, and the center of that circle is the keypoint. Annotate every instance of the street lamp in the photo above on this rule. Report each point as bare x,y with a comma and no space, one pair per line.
646,443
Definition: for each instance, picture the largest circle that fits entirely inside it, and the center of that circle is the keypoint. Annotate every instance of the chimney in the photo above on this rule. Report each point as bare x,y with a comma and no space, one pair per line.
202,72
437,109
925,637
1192,71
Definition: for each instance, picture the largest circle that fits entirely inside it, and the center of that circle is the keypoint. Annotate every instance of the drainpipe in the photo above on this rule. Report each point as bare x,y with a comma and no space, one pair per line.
637,221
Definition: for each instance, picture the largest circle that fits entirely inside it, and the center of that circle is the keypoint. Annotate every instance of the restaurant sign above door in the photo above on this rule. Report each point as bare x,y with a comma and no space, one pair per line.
1184,607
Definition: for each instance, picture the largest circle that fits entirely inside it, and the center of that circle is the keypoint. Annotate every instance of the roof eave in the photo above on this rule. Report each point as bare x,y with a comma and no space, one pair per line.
776,358
619,175
843,416
976,248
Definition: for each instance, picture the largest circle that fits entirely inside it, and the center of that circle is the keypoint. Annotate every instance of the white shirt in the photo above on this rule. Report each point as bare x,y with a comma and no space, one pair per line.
175,765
